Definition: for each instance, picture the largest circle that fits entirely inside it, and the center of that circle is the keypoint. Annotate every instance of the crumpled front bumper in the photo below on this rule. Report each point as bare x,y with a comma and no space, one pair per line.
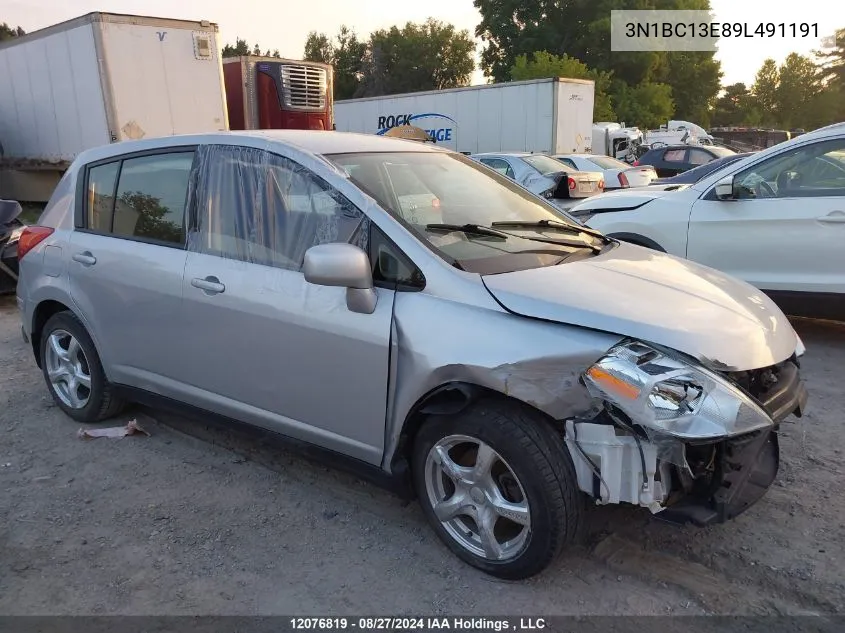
744,466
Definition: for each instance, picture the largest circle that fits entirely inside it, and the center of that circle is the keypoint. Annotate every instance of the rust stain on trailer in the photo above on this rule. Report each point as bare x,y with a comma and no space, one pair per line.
132,131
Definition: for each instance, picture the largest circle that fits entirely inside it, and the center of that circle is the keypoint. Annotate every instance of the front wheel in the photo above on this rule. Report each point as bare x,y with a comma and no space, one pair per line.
498,486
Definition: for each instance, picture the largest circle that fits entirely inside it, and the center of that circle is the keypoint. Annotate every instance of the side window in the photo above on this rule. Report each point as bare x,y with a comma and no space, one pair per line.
99,203
568,162
141,197
699,157
391,267
674,155
501,166
151,197
815,170
258,207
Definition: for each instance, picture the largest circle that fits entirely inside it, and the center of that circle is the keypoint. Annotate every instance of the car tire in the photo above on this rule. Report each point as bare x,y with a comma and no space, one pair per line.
532,473
73,371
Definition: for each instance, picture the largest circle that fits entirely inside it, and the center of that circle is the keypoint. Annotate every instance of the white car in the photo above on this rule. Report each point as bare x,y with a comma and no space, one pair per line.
545,176
617,174
775,219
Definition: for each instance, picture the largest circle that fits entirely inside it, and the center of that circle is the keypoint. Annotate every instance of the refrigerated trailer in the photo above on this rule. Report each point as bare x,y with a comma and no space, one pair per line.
266,93
553,116
97,79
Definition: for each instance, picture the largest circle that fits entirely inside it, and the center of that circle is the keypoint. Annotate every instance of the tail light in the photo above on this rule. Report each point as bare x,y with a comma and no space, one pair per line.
623,180
31,237
601,184
571,184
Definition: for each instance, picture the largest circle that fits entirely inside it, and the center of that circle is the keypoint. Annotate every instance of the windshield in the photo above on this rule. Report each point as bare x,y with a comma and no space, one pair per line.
423,189
606,162
545,164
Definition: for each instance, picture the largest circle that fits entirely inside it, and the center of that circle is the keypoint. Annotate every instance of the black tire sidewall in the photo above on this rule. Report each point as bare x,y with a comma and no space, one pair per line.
68,322
508,442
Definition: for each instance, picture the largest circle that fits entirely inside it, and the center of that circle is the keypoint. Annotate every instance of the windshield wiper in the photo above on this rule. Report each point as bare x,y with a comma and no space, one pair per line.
550,224
471,229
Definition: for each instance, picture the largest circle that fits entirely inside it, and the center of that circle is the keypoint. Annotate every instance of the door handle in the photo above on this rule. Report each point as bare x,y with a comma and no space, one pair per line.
210,285
85,258
834,217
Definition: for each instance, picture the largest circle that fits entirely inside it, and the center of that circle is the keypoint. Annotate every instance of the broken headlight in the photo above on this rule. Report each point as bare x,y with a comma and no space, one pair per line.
666,394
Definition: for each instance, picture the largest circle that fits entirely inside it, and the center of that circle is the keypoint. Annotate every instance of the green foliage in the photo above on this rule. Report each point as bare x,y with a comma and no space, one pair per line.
345,53
428,56
242,48
8,32
543,65
581,30
736,107
645,105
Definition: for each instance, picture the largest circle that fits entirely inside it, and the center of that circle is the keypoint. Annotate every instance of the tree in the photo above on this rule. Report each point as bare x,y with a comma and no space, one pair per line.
736,107
695,78
832,62
581,29
428,56
645,105
765,89
346,55
318,48
543,64
242,48
7,32
796,91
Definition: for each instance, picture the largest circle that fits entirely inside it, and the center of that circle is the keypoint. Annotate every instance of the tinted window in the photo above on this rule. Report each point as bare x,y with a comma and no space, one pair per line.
808,171
265,209
100,196
674,155
699,157
391,267
151,197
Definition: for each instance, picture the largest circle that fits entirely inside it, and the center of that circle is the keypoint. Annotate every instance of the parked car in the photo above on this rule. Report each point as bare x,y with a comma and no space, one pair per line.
616,174
775,218
500,363
10,231
692,176
670,160
543,175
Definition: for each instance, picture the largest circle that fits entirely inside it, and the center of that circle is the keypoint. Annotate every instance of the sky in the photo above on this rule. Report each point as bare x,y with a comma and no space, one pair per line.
284,24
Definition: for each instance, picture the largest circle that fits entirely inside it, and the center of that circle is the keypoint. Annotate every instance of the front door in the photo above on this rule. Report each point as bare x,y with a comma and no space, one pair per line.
266,346
785,230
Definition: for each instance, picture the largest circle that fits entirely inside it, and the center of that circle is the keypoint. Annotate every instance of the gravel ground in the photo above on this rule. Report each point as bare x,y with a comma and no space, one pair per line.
200,519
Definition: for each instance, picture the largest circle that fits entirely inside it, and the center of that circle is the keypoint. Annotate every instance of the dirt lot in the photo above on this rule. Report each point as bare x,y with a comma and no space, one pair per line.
202,520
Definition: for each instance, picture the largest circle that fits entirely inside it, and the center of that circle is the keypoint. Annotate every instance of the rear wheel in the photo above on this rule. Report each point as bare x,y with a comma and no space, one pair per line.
73,371
498,486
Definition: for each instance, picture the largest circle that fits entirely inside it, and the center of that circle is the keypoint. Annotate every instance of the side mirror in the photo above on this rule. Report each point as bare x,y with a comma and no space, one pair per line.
725,188
346,266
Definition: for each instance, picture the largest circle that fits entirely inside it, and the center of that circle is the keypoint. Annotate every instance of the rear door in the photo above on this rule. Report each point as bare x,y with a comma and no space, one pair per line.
127,258
786,229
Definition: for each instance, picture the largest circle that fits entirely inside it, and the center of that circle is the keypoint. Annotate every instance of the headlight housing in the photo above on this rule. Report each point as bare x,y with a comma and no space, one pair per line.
668,395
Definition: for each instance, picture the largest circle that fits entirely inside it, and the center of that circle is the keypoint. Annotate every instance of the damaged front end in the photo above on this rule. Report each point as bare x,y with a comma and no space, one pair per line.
693,445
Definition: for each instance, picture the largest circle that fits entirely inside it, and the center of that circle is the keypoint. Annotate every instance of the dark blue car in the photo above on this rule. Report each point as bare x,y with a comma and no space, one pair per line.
671,160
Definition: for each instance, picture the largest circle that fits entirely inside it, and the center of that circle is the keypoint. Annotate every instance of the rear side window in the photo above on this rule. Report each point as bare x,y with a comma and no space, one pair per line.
140,198
674,155
100,198
499,165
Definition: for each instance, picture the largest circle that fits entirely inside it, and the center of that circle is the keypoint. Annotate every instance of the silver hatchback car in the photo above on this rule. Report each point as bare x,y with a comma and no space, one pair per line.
416,315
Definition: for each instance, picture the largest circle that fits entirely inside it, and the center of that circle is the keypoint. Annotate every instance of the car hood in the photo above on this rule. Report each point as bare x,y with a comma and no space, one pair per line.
626,199
725,323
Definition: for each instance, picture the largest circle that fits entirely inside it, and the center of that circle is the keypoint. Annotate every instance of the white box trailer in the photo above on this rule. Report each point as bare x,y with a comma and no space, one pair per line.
552,115
97,79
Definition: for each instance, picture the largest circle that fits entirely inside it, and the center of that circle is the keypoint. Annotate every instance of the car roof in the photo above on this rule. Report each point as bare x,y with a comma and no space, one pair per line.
513,154
312,141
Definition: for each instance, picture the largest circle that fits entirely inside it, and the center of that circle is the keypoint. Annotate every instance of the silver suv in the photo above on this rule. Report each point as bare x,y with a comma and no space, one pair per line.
420,316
